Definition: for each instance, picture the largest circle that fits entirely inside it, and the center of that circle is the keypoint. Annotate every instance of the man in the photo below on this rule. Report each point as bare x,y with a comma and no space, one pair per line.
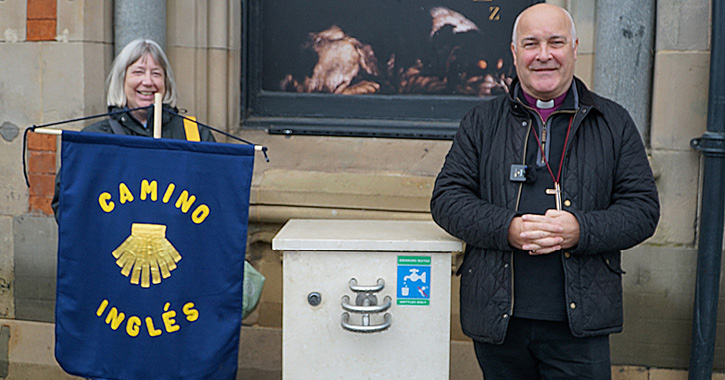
546,185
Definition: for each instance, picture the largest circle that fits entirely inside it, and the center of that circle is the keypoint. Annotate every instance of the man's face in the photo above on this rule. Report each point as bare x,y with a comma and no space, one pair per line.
544,53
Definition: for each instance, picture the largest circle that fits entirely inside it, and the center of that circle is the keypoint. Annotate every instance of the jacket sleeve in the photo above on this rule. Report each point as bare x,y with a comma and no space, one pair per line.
55,203
205,134
633,210
459,204
99,127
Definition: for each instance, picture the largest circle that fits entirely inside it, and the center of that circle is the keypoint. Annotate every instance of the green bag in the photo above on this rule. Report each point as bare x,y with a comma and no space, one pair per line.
252,289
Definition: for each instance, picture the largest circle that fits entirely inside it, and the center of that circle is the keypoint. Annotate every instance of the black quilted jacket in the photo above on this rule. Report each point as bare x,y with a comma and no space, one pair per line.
607,184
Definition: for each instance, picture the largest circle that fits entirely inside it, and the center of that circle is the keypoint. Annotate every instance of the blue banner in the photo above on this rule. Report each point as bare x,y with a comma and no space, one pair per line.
152,235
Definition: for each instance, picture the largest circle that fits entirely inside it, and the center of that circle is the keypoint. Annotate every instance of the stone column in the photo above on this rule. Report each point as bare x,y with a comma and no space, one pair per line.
623,62
139,19
204,47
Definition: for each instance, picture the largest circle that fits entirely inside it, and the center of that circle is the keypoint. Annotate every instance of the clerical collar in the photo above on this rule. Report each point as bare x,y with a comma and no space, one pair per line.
544,105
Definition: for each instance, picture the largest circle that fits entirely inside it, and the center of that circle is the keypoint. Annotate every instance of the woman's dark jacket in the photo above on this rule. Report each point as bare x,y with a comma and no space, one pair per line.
607,184
172,128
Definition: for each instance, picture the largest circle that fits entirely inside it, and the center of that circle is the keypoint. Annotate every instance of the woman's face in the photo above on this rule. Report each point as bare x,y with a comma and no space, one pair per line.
144,78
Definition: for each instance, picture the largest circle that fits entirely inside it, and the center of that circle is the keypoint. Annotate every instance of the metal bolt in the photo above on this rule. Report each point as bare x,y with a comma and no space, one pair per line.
9,131
314,298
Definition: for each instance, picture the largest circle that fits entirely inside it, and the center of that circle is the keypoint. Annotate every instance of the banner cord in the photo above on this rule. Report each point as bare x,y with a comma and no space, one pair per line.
264,148
111,113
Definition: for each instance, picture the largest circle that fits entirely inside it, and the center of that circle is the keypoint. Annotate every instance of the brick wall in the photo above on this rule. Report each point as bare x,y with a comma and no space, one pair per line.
42,20
41,172
41,23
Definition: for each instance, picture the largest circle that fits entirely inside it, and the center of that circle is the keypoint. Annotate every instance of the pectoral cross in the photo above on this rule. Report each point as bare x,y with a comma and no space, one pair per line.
556,192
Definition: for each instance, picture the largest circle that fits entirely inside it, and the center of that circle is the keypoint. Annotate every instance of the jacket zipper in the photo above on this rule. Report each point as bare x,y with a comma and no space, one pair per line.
521,185
545,127
518,201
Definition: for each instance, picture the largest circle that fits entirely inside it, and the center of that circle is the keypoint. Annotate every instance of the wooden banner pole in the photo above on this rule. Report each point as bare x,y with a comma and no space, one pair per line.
157,115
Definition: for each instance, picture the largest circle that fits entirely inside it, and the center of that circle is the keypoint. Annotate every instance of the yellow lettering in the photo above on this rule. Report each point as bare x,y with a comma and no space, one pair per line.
149,189
169,192
200,214
102,307
124,194
191,313
493,13
114,318
150,326
104,200
185,201
168,318
133,326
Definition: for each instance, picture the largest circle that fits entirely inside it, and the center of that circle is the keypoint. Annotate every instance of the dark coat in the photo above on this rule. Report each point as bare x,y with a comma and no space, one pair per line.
172,126
607,184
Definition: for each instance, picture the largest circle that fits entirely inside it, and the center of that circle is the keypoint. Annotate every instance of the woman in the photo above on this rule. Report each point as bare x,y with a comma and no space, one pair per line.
138,72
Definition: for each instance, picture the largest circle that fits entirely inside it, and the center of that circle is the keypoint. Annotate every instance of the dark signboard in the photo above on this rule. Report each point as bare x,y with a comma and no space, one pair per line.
400,68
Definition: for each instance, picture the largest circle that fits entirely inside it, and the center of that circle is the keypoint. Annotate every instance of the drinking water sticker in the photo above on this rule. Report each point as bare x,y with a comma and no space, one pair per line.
414,280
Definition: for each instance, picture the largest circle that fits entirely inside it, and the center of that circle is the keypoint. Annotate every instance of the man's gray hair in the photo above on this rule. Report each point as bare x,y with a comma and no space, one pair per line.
115,94
572,31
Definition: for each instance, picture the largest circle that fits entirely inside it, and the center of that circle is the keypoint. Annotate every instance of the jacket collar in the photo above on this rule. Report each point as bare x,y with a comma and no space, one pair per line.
126,119
585,96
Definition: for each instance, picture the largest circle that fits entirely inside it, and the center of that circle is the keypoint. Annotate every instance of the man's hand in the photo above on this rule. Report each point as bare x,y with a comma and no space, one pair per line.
542,234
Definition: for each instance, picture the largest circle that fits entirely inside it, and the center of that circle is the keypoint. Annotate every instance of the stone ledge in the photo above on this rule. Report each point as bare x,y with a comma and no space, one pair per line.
281,214
30,351
357,191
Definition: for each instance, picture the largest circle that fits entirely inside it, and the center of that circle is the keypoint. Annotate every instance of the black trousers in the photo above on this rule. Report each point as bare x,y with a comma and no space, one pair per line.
544,350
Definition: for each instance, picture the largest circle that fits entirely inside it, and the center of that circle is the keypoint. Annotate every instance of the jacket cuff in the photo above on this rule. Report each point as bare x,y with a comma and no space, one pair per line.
580,247
504,236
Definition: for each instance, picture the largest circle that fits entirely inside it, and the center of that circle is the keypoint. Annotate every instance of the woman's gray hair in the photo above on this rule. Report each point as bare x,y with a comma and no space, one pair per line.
115,94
